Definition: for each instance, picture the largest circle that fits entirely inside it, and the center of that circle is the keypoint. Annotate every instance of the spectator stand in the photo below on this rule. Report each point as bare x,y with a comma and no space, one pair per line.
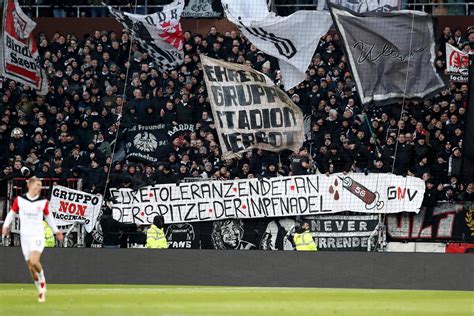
423,140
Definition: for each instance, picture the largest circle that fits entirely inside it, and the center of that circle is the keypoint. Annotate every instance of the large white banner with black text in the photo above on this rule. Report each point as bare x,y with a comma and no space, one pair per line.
292,39
250,110
275,197
72,206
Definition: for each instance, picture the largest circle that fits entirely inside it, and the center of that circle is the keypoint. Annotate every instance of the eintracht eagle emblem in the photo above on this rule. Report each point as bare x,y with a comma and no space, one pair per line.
145,141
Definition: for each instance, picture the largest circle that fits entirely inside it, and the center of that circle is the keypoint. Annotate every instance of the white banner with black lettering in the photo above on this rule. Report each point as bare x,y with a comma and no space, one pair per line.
72,206
19,56
275,197
159,33
292,39
250,110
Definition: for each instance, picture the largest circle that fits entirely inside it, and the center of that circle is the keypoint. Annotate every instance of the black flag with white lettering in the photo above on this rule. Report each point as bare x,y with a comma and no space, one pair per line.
149,143
391,55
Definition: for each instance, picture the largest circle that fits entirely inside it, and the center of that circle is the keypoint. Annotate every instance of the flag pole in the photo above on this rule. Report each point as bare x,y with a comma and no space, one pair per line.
467,161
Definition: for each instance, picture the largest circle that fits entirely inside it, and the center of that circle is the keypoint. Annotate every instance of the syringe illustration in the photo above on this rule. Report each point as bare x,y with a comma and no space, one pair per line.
371,199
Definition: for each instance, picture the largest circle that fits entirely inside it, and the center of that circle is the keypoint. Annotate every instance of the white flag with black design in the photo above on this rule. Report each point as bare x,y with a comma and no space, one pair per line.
292,39
391,55
159,33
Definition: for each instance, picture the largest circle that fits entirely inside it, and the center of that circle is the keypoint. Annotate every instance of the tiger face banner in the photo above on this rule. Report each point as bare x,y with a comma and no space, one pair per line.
276,197
20,60
250,111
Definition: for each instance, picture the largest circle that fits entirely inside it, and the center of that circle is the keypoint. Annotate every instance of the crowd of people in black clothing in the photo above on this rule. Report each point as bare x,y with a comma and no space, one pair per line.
71,132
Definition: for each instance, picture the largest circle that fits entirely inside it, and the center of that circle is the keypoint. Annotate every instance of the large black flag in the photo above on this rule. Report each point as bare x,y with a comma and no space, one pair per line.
391,55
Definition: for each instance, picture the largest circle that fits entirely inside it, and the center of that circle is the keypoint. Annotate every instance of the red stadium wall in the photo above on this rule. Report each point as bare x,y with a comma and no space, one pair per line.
81,26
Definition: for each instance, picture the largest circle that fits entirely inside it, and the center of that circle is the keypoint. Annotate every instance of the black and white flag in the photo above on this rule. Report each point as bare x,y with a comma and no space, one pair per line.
250,110
292,39
391,55
159,33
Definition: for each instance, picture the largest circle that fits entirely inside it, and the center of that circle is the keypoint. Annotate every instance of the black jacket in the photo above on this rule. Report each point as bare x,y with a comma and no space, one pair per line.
112,230
430,198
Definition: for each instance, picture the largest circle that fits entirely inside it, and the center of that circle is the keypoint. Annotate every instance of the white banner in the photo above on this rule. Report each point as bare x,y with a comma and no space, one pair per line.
159,33
275,197
292,39
250,110
72,206
457,64
19,57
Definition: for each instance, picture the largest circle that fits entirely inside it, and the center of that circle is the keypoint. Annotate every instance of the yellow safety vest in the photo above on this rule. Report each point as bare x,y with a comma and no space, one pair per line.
49,241
155,238
304,242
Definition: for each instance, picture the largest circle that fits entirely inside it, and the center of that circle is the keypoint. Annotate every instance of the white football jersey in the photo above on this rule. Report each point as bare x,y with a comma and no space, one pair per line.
31,214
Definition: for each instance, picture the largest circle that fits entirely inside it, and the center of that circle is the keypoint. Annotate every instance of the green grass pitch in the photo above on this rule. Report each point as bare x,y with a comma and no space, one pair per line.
91,300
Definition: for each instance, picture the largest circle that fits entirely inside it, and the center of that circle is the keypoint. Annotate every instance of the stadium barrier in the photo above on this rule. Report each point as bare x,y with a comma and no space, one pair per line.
247,268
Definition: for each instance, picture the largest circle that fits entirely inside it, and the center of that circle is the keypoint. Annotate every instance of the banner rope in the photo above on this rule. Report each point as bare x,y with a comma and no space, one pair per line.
383,217
133,8
405,89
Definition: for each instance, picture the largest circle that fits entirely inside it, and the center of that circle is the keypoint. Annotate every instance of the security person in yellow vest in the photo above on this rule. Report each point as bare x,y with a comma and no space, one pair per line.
155,236
303,239
49,240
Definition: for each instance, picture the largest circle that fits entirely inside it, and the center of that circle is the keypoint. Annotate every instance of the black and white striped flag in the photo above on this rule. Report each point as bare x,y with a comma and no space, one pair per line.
159,33
292,39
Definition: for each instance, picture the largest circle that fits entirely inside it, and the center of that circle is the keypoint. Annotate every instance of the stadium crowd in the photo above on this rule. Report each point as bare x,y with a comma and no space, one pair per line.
71,132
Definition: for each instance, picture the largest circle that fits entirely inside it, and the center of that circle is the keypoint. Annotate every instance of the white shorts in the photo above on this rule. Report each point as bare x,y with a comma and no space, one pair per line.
31,243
